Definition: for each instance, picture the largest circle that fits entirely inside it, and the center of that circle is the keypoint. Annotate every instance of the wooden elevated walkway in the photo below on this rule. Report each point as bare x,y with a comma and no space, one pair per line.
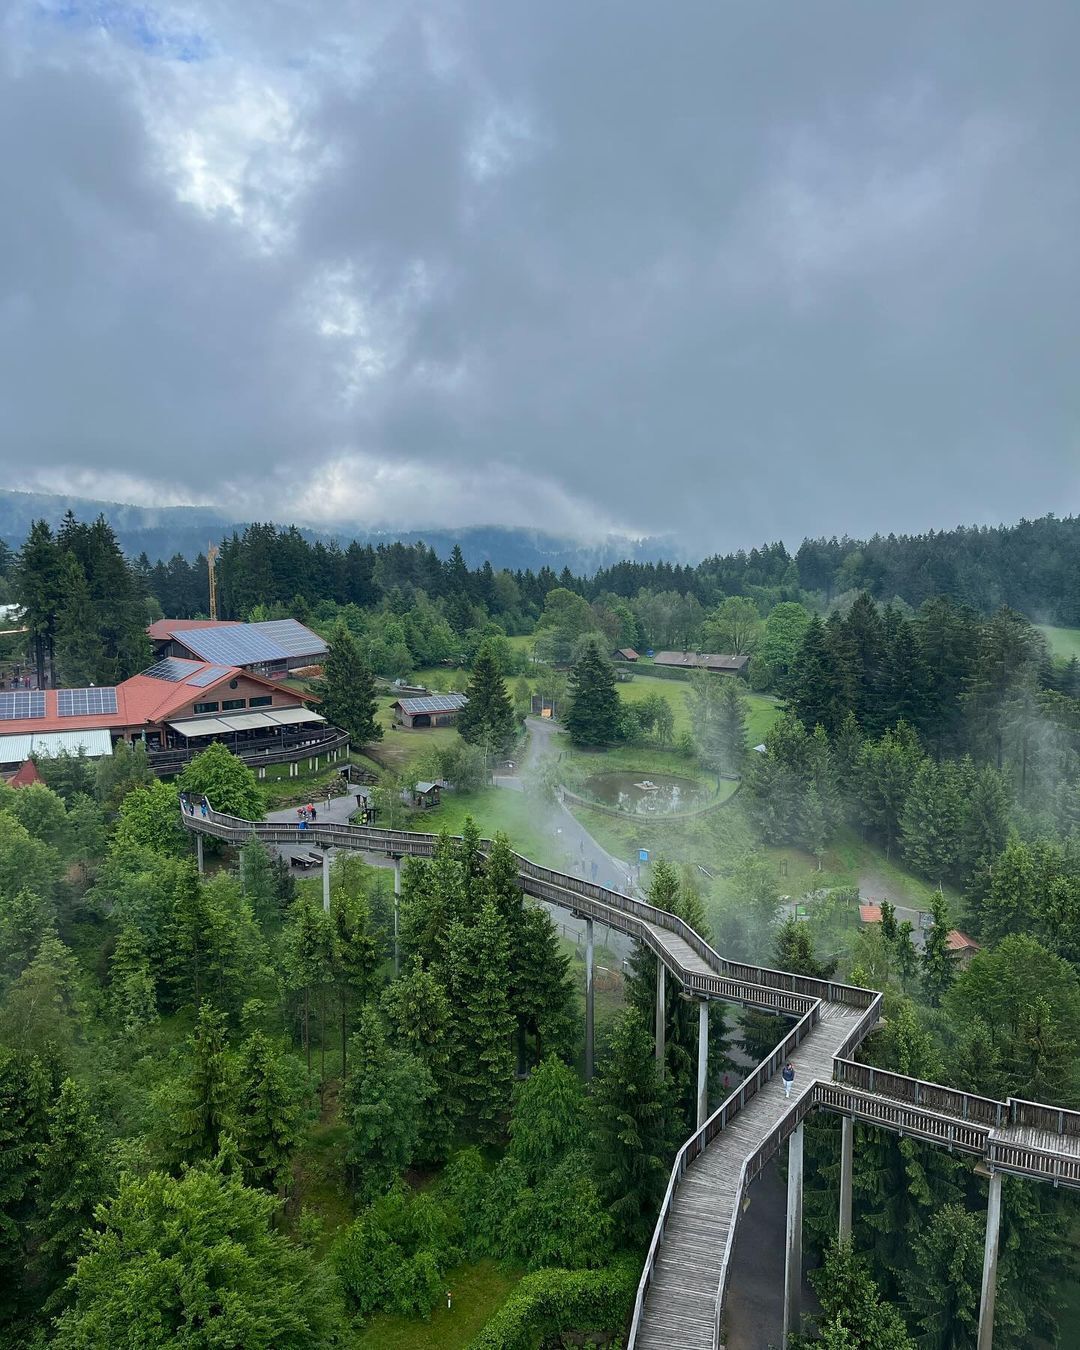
680,1298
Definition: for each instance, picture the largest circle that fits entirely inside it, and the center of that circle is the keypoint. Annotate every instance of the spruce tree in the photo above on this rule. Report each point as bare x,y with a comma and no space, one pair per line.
384,1103
631,1129
938,961
39,591
24,1096
78,629
487,720
259,882
269,1116
731,711
71,1183
199,1108
355,957
347,690
941,1291
418,1010
595,708
478,966
134,994
930,820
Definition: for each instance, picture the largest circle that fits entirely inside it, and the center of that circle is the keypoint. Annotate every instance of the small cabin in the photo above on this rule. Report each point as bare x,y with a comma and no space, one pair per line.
428,794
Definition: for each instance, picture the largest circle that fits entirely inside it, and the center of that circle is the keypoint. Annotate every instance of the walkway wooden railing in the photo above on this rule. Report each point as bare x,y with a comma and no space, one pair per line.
257,753
1026,1138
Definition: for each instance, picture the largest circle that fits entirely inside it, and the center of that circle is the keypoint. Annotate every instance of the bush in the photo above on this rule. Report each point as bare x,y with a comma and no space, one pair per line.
394,1256
552,1302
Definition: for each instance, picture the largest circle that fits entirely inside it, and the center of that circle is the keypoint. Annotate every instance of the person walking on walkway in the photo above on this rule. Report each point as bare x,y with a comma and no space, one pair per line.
788,1075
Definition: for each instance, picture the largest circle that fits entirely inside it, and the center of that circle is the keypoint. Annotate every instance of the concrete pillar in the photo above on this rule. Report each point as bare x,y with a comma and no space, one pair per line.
397,900
793,1263
588,998
990,1257
847,1136
703,1063
661,1015
199,852
326,880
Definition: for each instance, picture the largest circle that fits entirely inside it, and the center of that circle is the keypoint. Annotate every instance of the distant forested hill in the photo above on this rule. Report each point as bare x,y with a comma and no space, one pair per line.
1033,567
162,532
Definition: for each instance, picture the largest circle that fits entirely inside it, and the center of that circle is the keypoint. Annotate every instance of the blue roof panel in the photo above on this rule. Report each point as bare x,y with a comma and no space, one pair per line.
292,636
237,645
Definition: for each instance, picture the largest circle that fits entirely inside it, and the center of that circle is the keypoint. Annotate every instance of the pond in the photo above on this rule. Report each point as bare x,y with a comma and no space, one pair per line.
643,795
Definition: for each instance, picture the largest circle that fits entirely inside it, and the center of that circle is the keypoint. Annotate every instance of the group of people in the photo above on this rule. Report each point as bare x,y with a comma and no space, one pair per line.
306,813
188,804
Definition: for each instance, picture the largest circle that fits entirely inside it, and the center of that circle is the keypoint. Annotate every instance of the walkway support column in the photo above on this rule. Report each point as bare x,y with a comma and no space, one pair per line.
588,998
847,1136
703,1063
199,852
326,880
661,1016
397,900
793,1264
990,1258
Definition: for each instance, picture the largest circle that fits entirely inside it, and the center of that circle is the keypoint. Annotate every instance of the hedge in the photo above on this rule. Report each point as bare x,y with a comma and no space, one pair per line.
551,1303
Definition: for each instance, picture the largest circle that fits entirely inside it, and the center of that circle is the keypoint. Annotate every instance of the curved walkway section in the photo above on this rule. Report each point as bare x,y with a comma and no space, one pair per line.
680,1298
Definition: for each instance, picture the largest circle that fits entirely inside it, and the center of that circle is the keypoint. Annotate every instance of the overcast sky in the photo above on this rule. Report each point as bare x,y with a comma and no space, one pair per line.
733,270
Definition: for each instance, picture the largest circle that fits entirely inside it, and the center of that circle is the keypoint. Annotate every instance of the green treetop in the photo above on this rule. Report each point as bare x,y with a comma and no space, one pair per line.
595,708
347,690
487,720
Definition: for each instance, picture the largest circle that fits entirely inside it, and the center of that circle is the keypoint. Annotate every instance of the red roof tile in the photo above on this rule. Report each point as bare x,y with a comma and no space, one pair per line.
143,699
26,775
870,913
161,629
960,942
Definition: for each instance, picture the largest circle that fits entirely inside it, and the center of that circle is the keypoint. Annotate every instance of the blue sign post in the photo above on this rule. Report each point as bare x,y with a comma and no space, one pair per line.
643,855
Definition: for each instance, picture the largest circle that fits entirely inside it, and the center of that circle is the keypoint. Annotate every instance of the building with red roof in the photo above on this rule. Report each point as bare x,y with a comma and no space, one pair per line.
176,708
26,775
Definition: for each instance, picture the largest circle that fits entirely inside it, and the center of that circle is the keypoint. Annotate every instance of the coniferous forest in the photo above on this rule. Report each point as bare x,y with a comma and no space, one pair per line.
231,1117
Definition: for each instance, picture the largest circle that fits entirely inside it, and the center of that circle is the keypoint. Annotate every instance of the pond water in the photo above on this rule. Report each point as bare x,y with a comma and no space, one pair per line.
667,796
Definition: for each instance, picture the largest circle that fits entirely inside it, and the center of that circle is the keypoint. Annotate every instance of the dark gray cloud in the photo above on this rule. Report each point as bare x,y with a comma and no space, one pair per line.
731,271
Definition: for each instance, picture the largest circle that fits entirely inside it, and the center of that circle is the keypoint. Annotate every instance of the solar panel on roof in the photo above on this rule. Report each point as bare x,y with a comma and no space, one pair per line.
242,645
85,702
172,668
292,636
19,703
202,678
434,703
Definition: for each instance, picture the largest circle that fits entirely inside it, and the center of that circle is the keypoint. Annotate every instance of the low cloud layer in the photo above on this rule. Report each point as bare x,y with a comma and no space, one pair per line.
730,271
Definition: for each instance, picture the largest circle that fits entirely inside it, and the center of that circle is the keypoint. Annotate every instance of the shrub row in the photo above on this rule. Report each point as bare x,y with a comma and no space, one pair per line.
551,1303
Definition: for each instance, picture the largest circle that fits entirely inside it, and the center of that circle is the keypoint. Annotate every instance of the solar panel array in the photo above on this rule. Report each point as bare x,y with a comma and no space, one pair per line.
434,703
19,703
293,638
172,668
202,678
85,702
242,645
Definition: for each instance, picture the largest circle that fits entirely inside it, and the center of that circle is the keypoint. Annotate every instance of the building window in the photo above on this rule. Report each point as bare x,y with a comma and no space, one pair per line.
206,707
263,701
231,703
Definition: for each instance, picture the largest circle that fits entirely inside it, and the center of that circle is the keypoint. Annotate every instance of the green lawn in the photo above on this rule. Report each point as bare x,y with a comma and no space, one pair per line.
400,747
495,809
478,1290
763,711
1064,642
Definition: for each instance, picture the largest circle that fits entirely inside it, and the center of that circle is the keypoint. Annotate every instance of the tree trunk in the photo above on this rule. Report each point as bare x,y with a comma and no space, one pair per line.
343,1033
307,1029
